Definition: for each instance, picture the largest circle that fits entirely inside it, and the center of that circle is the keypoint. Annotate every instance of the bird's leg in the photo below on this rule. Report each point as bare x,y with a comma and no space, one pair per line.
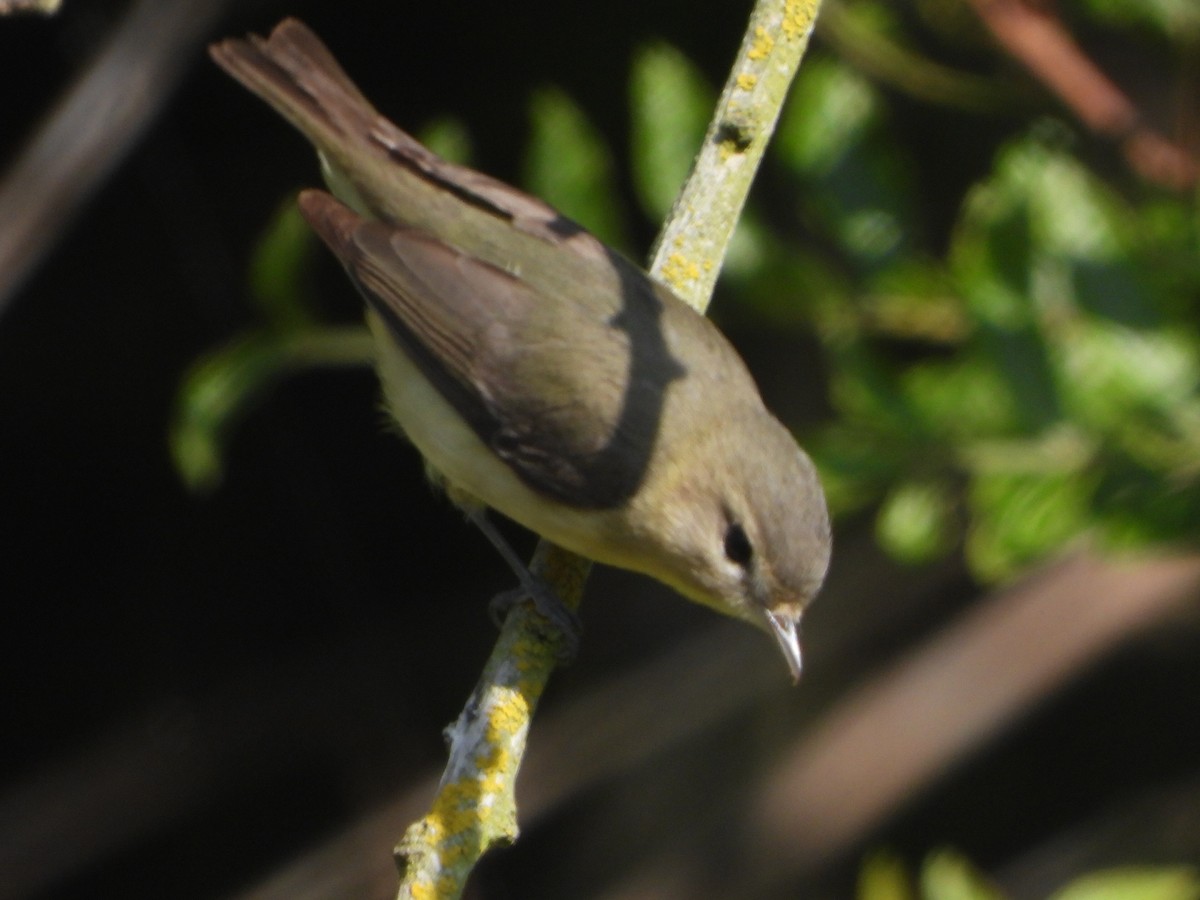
545,601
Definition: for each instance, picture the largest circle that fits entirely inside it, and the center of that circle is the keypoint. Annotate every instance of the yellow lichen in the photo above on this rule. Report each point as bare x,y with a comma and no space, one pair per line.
453,853
488,756
492,783
763,43
506,717
431,825
727,150
527,648
678,269
798,16
747,81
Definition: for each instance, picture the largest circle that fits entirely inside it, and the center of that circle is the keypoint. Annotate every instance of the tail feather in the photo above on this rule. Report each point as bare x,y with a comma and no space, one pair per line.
384,173
297,75
300,51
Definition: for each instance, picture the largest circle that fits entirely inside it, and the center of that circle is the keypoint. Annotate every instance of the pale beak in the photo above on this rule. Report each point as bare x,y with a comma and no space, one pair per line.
787,634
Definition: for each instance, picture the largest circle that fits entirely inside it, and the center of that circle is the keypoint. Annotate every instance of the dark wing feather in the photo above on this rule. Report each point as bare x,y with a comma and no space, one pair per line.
569,394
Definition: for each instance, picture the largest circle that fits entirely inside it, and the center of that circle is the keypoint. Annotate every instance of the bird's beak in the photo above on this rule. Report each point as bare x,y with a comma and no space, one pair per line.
786,629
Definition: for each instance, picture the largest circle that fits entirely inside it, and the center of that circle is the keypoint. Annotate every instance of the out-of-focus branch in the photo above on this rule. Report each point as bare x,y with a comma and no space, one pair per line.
93,126
892,737
1035,37
908,724
873,52
44,7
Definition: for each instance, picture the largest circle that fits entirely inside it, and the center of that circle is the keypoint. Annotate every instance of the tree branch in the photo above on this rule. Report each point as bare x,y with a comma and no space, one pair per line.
692,244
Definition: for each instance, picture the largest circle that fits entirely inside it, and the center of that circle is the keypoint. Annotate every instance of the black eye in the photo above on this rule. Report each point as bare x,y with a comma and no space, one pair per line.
737,545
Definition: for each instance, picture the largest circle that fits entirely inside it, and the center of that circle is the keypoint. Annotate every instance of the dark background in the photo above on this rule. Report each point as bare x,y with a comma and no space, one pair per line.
199,690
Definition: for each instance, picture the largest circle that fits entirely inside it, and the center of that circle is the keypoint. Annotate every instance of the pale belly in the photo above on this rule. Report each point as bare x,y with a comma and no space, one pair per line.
457,453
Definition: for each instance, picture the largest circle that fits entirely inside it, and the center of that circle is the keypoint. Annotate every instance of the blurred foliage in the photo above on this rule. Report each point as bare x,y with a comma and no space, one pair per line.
1176,19
670,105
1037,385
946,875
223,386
568,165
1021,378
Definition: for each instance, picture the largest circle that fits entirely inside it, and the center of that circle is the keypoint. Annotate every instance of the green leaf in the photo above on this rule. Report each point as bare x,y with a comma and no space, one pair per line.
1081,224
216,393
950,876
1112,372
857,186
1074,214
224,385
884,877
915,524
1135,883
994,259
1168,234
855,465
1178,20
568,165
1137,504
963,400
449,138
1053,234
789,284
279,269
831,110
863,390
1019,518
670,103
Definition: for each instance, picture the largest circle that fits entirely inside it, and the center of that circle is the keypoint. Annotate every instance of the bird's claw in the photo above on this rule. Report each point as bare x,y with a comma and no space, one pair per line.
564,621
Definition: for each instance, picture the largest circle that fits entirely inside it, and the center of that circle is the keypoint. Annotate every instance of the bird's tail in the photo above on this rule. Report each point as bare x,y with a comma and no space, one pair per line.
297,75
294,72
384,173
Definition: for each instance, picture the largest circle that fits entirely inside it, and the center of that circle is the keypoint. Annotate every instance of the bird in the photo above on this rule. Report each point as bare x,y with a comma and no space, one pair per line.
543,375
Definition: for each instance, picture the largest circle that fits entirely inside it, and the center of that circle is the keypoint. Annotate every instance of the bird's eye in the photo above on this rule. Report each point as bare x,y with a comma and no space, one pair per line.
737,545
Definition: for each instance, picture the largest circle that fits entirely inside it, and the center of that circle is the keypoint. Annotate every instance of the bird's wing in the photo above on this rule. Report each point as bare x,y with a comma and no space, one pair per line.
568,391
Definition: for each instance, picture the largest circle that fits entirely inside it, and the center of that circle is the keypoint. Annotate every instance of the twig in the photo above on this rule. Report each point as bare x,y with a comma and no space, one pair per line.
691,246
1038,39
44,7
475,807
96,122
871,50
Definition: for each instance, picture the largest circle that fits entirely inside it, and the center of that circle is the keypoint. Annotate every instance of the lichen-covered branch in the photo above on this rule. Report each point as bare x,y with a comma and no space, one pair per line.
693,240
475,807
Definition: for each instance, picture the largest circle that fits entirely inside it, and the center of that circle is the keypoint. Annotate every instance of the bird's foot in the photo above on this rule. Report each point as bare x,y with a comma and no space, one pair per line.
549,606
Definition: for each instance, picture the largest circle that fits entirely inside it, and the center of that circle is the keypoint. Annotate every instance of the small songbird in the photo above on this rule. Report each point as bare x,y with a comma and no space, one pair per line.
543,375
